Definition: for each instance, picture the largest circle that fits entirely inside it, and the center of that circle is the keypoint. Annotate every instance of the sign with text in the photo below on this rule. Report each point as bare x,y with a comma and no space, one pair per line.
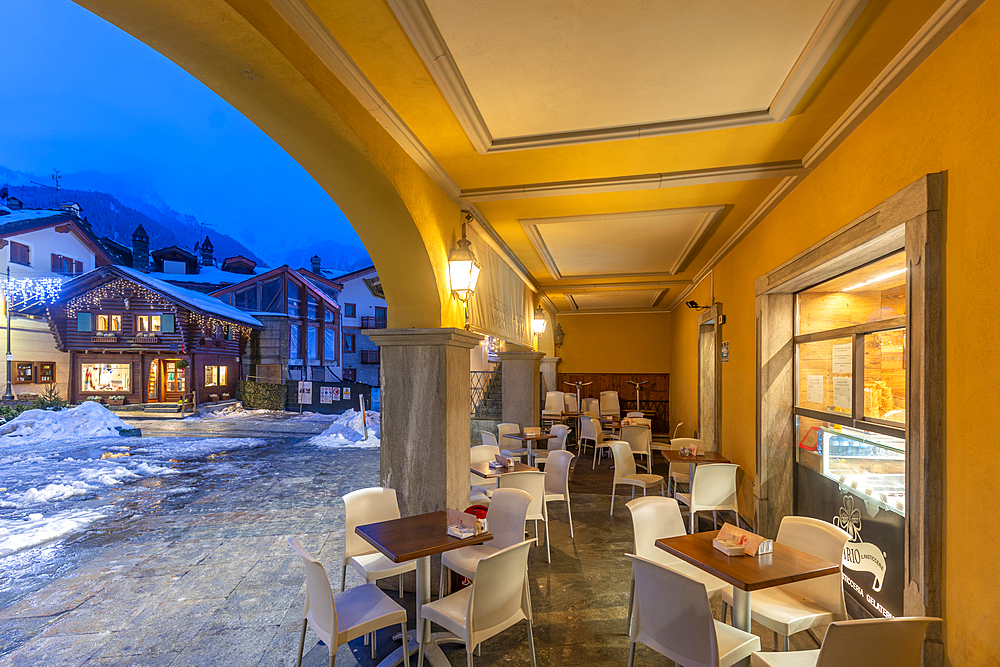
725,350
326,395
305,393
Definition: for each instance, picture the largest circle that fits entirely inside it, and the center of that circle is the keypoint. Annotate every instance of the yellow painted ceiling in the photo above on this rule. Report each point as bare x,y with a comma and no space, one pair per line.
373,37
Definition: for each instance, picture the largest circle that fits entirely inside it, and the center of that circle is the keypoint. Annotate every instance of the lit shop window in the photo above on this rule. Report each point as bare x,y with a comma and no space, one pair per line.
215,376
147,323
106,377
109,323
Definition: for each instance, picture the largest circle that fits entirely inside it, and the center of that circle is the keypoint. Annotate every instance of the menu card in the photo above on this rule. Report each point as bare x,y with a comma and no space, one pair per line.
731,536
463,526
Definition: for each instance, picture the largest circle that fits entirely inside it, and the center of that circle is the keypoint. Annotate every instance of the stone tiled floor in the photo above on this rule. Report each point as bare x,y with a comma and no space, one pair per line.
212,581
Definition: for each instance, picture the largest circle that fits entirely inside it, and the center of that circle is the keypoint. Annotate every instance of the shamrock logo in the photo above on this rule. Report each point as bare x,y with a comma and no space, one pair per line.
849,518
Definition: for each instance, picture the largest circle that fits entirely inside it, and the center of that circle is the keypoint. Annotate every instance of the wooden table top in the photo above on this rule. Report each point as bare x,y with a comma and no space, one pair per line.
483,469
525,438
784,565
675,456
413,537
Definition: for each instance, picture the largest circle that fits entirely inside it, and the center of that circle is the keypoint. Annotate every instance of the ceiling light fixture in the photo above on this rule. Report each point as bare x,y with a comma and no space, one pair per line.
463,268
876,279
539,322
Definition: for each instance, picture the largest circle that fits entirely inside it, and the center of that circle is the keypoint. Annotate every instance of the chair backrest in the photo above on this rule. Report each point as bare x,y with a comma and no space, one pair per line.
571,404
589,428
499,588
557,472
555,401
677,429
714,485
638,437
635,414
591,405
642,421
823,540
366,506
684,628
653,518
609,403
505,428
321,610
624,461
874,642
506,516
680,443
483,453
560,430
489,440
531,481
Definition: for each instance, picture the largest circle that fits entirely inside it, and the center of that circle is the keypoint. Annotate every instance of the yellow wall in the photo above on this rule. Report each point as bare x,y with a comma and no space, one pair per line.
942,118
638,343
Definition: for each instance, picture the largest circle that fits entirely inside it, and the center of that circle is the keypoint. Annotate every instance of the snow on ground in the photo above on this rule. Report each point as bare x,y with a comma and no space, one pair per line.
236,411
348,431
87,420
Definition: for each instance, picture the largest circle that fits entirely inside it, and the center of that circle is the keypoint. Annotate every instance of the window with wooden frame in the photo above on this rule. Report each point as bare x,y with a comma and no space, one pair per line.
46,372
350,310
109,323
24,372
66,266
349,343
20,254
147,324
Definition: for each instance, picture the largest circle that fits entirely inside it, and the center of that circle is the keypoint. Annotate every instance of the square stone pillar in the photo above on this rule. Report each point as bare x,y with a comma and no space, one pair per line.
521,381
425,416
550,377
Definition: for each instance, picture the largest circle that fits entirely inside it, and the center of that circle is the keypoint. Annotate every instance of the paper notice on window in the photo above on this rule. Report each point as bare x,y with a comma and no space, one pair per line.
814,388
842,393
842,358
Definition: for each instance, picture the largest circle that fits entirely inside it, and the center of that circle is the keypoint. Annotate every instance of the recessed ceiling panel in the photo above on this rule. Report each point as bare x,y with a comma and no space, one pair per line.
615,300
619,244
569,65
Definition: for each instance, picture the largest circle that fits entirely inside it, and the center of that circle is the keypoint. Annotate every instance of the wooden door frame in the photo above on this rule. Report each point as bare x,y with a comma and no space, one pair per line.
714,316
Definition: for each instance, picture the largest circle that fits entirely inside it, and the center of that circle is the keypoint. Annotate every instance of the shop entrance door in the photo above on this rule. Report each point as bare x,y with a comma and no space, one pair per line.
173,383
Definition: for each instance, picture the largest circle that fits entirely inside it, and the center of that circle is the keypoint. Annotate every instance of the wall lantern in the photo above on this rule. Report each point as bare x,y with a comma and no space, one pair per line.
463,268
539,323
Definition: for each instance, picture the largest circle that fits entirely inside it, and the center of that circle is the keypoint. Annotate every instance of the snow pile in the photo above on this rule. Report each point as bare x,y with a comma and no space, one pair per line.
231,411
18,534
348,431
87,420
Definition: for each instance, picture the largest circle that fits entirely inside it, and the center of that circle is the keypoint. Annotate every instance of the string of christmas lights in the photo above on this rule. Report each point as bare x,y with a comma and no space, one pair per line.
20,290
117,289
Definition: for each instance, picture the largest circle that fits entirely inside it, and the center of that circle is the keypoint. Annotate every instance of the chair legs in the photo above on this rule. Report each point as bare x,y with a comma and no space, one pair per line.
343,578
569,511
531,644
691,520
400,586
302,643
631,653
613,487
406,646
631,598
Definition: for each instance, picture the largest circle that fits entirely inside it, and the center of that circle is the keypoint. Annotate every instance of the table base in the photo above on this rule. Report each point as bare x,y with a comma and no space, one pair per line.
433,655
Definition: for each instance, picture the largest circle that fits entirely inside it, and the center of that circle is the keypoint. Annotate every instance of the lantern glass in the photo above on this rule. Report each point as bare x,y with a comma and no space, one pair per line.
539,323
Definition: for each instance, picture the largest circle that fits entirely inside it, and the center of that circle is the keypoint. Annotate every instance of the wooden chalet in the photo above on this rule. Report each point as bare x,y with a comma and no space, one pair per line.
137,339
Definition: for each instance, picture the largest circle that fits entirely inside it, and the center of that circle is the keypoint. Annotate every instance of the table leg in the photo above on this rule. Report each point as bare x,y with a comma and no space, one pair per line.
433,655
741,609
423,592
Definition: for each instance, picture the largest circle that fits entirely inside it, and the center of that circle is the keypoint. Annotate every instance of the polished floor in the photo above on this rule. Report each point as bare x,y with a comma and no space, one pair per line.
211,580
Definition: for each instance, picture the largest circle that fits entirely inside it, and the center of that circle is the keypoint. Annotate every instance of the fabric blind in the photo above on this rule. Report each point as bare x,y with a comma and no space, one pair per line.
502,303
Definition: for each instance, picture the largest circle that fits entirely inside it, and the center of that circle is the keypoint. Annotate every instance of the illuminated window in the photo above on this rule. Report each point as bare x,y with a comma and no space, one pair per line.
211,376
147,323
106,377
112,323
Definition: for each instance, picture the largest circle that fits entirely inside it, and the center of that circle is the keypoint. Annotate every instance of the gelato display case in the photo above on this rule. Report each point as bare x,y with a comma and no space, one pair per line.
873,465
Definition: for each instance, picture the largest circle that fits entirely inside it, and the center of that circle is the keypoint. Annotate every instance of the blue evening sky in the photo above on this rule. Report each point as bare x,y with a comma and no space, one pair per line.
78,94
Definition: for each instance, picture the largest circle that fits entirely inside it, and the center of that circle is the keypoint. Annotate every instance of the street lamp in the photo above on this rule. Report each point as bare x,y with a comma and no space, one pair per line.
539,322
463,271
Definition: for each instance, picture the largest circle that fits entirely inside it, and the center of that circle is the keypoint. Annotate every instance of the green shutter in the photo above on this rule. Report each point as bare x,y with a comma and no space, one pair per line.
84,322
167,323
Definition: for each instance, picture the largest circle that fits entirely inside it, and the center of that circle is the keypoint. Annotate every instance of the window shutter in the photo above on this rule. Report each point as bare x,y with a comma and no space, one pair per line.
78,268
55,263
84,322
167,323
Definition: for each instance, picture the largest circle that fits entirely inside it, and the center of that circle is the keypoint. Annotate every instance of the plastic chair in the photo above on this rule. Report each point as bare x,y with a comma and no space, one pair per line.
635,414
366,506
496,600
557,443
571,404
869,642
654,518
505,428
813,603
683,629
610,405
477,485
555,404
591,405
557,482
505,519
625,472
590,429
639,437
339,618
489,440
534,484
677,429
680,473
713,488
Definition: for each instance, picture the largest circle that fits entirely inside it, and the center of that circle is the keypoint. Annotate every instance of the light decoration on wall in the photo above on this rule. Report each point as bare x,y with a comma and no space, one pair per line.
118,289
876,279
539,323
463,268
207,323
19,291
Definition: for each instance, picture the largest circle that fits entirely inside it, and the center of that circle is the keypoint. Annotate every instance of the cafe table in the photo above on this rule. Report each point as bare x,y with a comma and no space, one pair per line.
483,469
784,565
418,538
528,440
675,456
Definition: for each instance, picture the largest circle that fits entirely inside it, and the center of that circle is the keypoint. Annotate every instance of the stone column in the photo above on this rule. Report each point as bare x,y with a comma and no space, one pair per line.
521,387
425,416
550,380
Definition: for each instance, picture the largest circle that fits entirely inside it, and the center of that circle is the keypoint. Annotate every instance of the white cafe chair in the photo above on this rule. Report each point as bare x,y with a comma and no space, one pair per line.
713,489
507,445
684,629
590,430
625,473
571,404
610,405
496,600
505,428
869,642
505,520
555,404
362,507
680,473
489,440
591,405
534,483
482,488
640,438
339,618
654,518
635,414
561,431
557,483
803,605
660,446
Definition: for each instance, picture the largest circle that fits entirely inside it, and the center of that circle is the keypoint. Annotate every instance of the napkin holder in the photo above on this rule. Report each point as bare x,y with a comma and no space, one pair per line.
753,544
532,431
463,526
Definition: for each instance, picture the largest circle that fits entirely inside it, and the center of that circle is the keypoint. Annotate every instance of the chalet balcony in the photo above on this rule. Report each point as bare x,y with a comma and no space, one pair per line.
373,323
371,357
146,338
104,338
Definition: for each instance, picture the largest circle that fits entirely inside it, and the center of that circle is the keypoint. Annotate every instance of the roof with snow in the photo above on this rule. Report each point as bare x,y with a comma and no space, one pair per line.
355,274
17,221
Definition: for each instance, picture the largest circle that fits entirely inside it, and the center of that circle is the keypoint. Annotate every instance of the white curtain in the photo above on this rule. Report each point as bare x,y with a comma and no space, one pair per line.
502,304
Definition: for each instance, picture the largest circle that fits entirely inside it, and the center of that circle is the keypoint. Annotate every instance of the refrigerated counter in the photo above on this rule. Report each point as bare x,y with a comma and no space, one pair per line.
873,465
